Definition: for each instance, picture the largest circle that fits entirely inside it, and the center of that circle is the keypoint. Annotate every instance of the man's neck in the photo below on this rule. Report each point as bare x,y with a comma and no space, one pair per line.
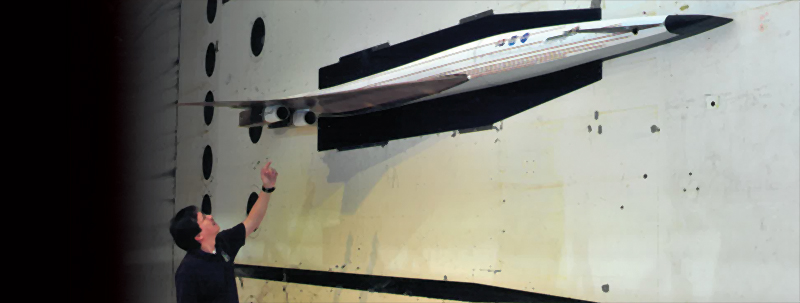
209,246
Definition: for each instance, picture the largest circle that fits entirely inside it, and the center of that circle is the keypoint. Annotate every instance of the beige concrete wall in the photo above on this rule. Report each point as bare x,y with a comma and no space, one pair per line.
543,204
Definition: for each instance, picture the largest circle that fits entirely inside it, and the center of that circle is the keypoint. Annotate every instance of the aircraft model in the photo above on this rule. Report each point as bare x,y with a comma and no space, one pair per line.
480,64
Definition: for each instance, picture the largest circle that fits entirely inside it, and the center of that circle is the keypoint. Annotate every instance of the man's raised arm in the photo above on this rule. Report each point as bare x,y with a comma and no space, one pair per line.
268,177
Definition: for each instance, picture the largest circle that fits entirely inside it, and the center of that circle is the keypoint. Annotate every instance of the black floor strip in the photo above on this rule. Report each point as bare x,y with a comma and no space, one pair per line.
446,290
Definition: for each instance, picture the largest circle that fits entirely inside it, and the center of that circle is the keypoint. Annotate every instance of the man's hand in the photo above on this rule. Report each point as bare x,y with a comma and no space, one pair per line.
268,176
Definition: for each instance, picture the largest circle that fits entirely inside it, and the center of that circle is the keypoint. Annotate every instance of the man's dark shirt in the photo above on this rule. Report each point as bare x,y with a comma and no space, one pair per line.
205,277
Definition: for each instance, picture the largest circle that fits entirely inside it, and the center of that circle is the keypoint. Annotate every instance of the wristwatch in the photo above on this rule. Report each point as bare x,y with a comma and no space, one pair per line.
267,190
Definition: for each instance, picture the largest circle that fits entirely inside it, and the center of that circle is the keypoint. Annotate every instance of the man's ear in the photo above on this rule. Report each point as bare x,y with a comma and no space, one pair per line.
199,237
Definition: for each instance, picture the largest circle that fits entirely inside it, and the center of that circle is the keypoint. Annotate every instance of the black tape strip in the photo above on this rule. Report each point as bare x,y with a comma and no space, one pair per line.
445,290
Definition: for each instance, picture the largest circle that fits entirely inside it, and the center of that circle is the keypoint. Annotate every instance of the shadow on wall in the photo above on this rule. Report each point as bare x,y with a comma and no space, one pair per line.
360,171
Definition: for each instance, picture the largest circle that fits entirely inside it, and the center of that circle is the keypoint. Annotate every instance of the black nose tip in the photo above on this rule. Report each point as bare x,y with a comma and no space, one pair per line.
693,24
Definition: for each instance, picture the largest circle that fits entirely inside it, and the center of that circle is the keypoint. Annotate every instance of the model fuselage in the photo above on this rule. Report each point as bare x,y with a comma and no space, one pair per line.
518,55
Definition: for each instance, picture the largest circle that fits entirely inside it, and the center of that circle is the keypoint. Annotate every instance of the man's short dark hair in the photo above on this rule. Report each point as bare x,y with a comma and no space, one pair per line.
184,228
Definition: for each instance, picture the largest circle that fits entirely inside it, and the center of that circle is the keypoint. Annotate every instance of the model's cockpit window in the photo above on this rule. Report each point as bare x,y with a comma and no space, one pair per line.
524,38
512,41
501,42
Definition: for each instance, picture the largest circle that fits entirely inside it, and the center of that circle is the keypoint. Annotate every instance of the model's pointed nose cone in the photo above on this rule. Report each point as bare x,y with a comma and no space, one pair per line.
693,24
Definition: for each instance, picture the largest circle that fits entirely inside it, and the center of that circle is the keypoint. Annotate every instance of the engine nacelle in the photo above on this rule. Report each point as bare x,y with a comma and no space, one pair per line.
275,113
304,117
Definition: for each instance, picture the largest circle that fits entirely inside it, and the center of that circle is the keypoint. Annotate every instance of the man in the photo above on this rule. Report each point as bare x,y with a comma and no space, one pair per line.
206,272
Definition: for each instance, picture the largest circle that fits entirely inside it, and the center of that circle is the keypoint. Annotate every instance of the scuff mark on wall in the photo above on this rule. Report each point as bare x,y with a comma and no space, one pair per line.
654,129
337,294
395,180
763,20
311,190
373,256
349,247
264,291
